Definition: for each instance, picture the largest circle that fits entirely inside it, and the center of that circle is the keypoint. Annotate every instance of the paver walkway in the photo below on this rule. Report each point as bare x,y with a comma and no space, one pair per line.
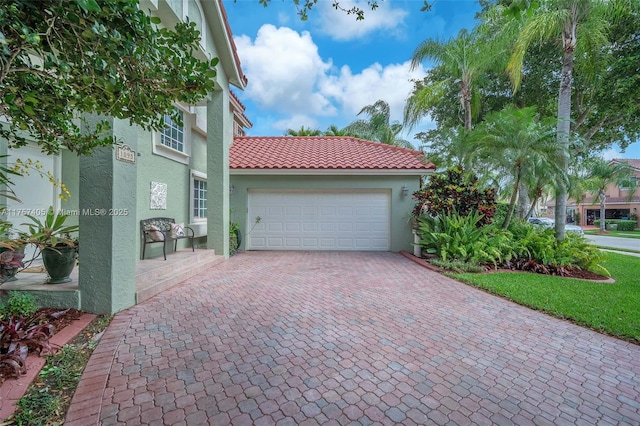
349,338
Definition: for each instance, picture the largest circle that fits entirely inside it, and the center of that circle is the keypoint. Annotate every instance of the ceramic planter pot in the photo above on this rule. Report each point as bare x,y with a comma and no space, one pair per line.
59,262
10,274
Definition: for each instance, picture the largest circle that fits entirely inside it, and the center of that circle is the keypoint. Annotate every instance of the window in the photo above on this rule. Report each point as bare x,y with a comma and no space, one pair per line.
199,198
174,141
173,134
631,183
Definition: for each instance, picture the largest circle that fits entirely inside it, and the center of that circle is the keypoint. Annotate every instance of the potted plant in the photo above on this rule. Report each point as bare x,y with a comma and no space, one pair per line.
53,239
10,262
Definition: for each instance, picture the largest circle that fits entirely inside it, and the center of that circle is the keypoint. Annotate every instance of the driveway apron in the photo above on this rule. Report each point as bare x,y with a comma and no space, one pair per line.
311,338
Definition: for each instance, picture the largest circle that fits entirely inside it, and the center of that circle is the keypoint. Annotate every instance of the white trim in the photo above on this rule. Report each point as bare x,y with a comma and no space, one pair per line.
333,172
193,175
158,148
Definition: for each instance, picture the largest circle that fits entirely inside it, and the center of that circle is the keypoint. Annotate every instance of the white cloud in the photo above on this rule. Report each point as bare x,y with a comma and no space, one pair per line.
610,154
340,26
295,122
293,86
391,83
283,67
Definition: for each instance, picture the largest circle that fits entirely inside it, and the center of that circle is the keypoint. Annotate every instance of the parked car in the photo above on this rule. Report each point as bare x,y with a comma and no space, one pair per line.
550,223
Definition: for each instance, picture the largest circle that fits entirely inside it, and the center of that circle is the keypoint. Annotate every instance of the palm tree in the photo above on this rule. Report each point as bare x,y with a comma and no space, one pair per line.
601,174
378,127
517,145
303,132
333,130
581,25
450,147
463,61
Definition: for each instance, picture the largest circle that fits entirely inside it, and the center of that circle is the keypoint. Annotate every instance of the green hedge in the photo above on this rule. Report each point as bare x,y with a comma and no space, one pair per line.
623,225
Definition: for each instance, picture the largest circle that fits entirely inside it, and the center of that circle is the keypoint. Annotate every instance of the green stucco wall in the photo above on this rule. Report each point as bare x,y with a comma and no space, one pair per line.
157,168
71,178
401,206
107,187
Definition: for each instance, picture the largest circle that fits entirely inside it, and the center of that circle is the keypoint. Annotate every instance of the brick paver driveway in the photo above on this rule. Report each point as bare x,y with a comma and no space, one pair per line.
350,338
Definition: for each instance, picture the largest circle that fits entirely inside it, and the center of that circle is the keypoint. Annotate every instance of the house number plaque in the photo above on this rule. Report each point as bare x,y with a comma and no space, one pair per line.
125,153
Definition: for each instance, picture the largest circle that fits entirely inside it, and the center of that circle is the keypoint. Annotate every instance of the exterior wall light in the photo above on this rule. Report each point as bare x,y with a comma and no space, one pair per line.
404,190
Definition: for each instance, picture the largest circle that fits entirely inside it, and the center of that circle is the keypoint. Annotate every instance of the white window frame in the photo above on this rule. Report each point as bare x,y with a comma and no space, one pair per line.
173,154
199,176
631,179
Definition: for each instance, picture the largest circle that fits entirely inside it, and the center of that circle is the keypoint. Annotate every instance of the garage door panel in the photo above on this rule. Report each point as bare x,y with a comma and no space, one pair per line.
292,243
327,227
275,226
293,226
319,220
293,211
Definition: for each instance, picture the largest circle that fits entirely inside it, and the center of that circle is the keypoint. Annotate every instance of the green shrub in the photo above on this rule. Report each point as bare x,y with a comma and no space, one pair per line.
540,246
19,304
501,212
455,237
455,191
623,225
457,267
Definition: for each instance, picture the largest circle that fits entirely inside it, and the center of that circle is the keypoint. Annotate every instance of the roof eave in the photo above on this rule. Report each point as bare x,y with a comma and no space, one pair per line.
219,26
333,172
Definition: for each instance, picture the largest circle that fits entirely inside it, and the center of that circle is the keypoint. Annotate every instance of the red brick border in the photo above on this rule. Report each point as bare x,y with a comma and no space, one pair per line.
87,401
12,390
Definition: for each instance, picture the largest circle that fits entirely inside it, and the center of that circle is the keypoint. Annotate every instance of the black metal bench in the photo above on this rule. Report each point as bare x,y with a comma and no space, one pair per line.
158,230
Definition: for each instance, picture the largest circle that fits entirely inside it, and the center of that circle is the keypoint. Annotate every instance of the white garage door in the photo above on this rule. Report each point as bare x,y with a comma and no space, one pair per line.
319,220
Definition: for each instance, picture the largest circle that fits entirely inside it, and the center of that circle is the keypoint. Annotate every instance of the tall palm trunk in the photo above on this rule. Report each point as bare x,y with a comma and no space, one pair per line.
523,200
602,196
537,195
564,122
512,202
465,97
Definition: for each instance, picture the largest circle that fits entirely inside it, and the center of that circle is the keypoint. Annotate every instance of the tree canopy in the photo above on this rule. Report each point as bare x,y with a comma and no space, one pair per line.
61,59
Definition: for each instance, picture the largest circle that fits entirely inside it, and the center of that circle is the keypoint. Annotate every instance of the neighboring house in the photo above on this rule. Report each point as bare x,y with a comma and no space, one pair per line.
181,172
323,193
618,204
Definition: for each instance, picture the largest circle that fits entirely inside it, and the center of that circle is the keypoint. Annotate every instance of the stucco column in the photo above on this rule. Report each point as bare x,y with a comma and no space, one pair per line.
107,207
219,136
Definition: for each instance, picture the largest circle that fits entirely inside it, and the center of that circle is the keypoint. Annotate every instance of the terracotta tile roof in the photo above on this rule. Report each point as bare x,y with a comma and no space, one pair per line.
321,152
633,162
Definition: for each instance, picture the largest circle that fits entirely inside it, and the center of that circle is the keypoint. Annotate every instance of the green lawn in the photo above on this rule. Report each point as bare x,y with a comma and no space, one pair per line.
612,309
622,234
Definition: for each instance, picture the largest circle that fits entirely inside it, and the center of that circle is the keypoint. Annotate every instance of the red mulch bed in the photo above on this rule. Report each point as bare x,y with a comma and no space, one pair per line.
62,321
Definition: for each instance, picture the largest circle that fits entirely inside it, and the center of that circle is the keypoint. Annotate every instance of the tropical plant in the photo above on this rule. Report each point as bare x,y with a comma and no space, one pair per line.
60,60
453,237
518,146
333,130
303,132
601,174
50,232
18,336
455,191
10,262
462,60
450,147
581,25
536,249
378,127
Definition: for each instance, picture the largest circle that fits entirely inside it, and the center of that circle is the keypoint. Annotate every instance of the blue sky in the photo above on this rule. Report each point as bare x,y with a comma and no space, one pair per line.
323,71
